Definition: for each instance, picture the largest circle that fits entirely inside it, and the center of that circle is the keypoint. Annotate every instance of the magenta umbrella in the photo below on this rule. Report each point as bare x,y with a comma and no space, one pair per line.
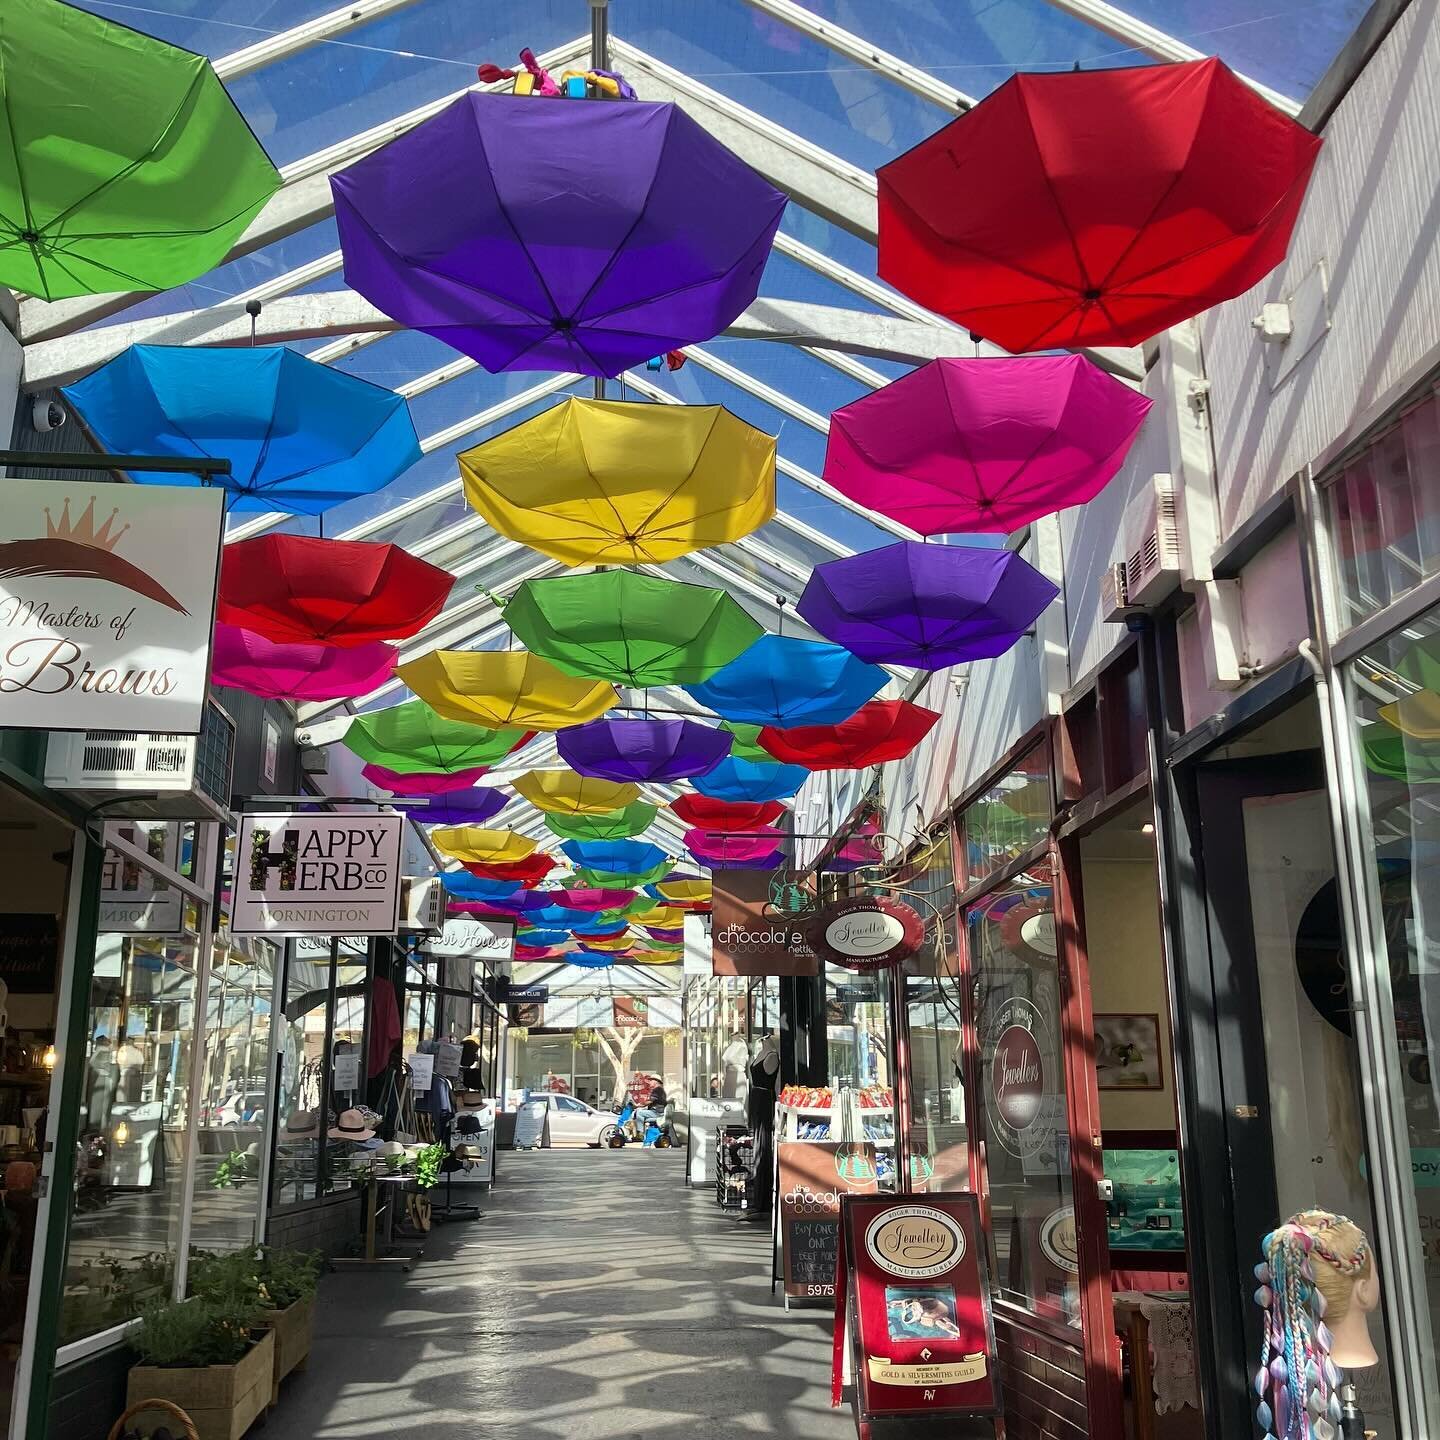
273,670
588,899
984,445
424,782
707,846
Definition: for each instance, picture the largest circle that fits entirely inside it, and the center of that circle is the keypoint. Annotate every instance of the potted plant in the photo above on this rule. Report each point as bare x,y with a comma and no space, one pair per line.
281,1283
211,1357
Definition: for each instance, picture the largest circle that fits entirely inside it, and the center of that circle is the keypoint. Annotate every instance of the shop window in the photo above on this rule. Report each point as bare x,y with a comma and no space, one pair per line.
858,1043
1022,1095
939,1134
1011,817
1383,511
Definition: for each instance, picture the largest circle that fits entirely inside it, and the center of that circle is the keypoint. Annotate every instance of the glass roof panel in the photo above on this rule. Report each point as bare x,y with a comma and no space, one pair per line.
230,25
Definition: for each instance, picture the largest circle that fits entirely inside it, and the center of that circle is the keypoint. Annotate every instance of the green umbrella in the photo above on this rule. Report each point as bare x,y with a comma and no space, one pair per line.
412,739
636,630
124,165
634,819
747,744
618,880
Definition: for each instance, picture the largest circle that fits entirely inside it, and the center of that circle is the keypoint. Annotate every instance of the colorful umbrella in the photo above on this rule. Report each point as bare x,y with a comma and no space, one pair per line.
562,792
707,814
984,445
544,937
707,846
245,661
297,589
589,959
504,687
541,952
685,891
468,228
780,680
635,630
665,937
466,886
876,733
926,606
619,825
631,879
606,944
128,167
412,739
299,436
1097,207
773,861
752,781
588,899
625,857
475,806
422,782
608,482
552,917
654,751
529,871
481,909
746,744
472,844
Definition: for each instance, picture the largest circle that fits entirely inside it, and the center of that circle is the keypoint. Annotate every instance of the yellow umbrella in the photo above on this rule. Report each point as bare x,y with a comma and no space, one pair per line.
618,942
505,688
563,792
653,957
685,892
1417,715
477,846
610,482
660,917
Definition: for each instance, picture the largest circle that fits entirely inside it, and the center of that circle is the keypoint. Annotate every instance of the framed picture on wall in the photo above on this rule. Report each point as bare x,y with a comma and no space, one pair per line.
1127,1052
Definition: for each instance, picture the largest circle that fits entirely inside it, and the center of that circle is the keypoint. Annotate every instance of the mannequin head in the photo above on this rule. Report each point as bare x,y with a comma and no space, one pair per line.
1318,1284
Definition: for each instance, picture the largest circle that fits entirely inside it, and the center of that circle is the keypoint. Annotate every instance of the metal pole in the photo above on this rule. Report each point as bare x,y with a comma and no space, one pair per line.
599,60
204,466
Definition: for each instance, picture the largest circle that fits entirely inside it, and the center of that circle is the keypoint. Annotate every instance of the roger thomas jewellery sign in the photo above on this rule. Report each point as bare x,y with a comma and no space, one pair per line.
107,601
866,933
317,875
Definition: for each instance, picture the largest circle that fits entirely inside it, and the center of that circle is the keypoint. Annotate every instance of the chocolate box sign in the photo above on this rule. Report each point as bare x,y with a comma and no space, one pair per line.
107,602
748,935
866,933
317,875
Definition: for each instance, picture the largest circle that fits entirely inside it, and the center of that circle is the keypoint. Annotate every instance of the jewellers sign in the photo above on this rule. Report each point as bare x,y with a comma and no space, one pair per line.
317,874
866,933
107,602
466,936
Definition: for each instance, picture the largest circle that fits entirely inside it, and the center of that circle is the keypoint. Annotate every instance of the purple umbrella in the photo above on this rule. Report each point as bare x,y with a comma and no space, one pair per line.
457,807
773,861
988,445
556,236
643,750
927,606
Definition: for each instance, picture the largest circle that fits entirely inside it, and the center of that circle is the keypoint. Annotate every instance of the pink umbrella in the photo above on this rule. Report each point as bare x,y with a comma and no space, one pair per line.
423,782
984,445
480,909
274,670
588,899
727,846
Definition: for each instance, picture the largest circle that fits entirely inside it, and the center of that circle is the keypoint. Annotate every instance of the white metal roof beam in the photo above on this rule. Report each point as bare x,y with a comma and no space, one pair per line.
1130,30
863,53
284,43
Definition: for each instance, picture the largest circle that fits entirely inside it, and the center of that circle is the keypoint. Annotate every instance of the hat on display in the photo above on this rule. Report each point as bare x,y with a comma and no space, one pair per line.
390,1147
467,1124
301,1124
351,1126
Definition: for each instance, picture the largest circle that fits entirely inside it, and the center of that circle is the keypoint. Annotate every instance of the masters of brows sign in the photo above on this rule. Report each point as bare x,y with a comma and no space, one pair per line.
107,599
317,874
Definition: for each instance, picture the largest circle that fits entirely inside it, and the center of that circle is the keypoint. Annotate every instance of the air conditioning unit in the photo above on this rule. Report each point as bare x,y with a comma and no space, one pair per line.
148,777
1115,604
1152,544
422,904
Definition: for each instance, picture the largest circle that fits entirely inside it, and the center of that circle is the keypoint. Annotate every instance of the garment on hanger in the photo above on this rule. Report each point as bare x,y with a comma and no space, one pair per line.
385,1029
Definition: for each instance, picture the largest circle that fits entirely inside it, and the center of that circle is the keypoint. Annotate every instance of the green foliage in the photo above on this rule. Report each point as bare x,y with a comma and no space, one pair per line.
257,1276
427,1166
193,1333
232,1171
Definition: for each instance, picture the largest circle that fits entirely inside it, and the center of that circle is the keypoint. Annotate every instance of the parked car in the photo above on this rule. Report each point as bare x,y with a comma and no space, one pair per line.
573,1122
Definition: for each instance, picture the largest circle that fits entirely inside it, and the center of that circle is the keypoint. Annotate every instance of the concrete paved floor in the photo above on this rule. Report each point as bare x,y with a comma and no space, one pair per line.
595,1299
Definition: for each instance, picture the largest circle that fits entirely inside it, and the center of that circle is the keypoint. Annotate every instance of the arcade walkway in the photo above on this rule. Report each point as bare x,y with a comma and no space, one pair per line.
595,1299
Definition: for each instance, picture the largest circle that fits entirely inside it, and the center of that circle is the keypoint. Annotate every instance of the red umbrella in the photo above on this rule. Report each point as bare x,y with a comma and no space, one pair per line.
529,871
880,731
296,588
705,813
1095,207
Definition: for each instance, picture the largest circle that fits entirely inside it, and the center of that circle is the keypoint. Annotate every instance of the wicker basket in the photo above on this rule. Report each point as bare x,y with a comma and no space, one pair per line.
141,1406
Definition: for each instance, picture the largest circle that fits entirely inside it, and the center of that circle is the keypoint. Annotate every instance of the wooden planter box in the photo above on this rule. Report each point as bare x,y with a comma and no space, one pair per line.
222,1400
292,1329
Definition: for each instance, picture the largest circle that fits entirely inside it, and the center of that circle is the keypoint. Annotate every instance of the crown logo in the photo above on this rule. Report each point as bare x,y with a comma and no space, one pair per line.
83,531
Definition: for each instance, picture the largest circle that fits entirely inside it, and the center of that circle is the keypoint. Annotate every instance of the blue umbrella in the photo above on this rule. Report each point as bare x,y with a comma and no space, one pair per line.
752,780
299,437
618,857
590,959
785,682
543,937
557,916
465,886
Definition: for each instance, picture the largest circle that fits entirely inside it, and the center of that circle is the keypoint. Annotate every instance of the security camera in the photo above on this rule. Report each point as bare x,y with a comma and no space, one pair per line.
48,415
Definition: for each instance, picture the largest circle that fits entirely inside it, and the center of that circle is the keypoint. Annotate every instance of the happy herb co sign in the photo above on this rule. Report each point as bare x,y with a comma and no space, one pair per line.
867,933
317,875
107,600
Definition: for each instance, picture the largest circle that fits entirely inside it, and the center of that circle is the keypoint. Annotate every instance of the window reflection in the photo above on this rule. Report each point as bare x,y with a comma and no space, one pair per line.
1010,818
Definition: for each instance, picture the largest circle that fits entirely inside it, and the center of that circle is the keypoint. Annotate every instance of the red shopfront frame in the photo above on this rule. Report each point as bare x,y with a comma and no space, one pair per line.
913,1301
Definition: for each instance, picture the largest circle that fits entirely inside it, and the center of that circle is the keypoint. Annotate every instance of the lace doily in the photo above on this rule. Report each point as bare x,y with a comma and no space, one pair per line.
1172,1353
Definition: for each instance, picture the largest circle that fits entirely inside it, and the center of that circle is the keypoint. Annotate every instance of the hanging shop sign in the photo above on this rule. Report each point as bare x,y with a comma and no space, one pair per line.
751,936
631,1012
866,933
913,1306
133,901
107,604
812,1175
526,1017
526,994
29,949
467,936
317,874
352,948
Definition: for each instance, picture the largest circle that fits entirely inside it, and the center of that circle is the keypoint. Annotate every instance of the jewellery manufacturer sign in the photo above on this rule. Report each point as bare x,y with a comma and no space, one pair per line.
866,933
1020,1069
317,874
107,603
914,1241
